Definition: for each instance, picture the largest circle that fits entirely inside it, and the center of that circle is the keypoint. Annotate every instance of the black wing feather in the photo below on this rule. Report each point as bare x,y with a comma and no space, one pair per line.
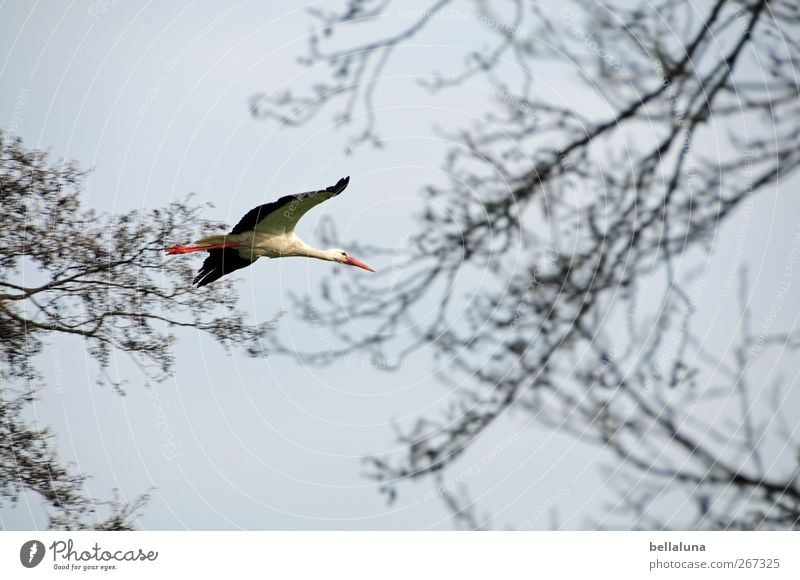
255,215
218,263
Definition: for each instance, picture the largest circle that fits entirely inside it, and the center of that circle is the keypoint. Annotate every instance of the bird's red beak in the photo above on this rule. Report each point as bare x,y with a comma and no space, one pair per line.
354,262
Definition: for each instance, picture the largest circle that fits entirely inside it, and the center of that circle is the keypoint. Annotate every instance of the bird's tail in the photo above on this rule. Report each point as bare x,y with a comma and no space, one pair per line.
206,244
211,240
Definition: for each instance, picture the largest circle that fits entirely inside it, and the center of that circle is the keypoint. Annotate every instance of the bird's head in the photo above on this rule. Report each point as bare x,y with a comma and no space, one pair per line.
339,255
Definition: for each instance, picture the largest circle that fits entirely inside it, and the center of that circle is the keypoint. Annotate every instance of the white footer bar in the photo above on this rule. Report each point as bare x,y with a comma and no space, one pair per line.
400,555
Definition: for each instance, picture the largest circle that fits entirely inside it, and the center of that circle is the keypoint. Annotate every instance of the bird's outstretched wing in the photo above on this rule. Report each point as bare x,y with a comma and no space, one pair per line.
282,215
218,263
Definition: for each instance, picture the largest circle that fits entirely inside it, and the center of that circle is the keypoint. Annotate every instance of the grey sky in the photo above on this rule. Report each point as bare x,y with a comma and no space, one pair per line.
154,97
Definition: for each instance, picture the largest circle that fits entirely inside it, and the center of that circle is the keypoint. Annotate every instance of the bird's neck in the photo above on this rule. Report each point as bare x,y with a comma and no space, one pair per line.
304,249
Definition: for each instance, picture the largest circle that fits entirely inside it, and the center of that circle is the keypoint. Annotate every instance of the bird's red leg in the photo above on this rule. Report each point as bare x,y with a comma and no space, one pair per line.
179,249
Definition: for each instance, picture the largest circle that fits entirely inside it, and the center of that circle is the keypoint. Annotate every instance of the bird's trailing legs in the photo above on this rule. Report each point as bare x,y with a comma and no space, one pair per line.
201,247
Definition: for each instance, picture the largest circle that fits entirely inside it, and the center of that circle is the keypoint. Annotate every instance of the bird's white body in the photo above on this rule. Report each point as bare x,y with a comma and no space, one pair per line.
253,245
272,246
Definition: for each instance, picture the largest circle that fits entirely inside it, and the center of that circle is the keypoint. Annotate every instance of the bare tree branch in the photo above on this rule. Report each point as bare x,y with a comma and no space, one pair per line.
67,271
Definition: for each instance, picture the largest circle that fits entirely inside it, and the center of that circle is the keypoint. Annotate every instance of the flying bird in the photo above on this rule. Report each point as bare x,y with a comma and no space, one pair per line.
266,231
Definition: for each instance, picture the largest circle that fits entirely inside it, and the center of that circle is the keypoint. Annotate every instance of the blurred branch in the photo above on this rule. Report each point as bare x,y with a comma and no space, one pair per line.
596,203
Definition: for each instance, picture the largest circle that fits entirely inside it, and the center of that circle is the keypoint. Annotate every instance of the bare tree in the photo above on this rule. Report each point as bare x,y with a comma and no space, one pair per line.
690,110
68,271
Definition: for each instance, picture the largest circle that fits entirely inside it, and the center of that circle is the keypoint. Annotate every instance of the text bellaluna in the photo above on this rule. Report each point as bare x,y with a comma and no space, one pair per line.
66,551
679,547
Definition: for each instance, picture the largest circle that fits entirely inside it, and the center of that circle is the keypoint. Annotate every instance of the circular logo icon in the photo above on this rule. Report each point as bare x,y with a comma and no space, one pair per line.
31,553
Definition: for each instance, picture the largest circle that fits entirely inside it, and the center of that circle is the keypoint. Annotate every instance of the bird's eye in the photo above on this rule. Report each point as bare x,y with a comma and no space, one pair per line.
344,254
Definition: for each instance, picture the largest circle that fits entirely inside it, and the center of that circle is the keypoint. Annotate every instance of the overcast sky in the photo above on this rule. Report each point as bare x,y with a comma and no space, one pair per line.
154,97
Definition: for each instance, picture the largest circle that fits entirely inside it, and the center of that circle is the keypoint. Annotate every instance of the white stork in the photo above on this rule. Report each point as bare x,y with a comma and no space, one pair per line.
266,231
